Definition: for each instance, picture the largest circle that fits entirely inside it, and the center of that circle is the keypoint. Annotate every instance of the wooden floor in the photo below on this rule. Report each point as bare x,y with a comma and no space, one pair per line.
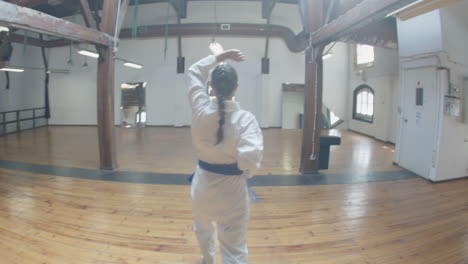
169,150
51,219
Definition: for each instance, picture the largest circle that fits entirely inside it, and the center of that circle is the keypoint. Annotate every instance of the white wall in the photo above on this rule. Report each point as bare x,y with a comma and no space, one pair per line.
335,89
227,12
447,44
335,80
453,152
383,78
420,35
73,96
27,88
292,105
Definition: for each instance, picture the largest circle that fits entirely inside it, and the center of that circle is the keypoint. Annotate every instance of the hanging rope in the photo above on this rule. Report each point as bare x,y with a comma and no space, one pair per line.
7,75
70,54
117,26
25,42
215,14
46,80
166,29
135,20
267,40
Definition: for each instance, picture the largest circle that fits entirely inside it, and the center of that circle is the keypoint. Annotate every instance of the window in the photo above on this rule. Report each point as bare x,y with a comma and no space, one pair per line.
364,56
363,104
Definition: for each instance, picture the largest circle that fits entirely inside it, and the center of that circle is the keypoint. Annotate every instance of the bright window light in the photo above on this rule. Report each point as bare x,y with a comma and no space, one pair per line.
364,104
364,55
333,118
327,55
141,117
89,53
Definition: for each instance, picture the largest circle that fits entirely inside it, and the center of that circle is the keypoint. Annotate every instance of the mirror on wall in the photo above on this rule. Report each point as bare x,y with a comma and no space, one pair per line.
133,104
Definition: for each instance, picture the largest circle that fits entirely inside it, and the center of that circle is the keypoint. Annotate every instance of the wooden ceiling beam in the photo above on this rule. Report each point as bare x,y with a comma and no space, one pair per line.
87,14
29,3
35,21
20,39
366,12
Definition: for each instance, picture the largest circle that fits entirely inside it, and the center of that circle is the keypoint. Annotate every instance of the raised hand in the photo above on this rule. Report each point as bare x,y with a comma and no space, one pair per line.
233,54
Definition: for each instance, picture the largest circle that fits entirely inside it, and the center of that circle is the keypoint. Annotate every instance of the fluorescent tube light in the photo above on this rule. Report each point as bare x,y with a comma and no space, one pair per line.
133,65
88,53
11,69
327,55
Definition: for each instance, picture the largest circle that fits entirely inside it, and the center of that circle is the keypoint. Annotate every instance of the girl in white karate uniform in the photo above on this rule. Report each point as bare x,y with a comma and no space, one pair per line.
229,144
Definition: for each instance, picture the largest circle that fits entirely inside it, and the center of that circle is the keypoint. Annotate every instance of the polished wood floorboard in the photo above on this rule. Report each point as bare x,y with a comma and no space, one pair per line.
59,220
169,150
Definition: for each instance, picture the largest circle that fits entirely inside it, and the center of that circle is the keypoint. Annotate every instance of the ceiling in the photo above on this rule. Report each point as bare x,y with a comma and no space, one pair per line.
64,8
379,34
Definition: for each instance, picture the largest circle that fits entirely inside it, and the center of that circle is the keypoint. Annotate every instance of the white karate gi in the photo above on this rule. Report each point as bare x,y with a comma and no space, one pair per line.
215,197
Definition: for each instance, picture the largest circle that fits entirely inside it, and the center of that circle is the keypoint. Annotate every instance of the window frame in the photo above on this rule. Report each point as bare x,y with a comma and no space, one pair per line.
363,66
358,116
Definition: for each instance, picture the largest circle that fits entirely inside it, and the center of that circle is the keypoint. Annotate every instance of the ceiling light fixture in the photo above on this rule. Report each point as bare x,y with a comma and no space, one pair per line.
132,65
88,53
9,69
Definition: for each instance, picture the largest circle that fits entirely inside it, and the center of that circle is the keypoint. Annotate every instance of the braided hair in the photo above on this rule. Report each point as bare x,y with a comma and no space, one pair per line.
223,81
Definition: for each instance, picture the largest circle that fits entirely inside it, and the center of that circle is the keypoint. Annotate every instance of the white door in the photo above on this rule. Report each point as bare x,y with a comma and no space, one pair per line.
418,120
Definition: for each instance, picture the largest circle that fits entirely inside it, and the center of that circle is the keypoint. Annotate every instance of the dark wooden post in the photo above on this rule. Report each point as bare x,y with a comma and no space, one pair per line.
312,17
34,118
18,122
4,124
105,91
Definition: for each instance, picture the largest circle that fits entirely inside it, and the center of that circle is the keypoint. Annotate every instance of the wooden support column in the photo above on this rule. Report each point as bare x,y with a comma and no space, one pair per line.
105,91
312,15
87,14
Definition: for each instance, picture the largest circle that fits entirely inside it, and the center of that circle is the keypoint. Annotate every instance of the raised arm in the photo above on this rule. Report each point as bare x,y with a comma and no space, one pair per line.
198,75
250,148
196,80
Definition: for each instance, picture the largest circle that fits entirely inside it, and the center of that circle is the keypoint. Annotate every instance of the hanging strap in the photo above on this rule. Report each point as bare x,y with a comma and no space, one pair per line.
215,13
70,54
25,42
166,29
117,26
135,20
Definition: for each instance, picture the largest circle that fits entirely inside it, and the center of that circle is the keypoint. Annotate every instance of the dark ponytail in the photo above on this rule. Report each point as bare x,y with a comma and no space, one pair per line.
223,81
222,117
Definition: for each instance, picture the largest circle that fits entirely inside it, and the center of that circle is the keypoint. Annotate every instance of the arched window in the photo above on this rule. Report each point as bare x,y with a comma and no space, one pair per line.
363,106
